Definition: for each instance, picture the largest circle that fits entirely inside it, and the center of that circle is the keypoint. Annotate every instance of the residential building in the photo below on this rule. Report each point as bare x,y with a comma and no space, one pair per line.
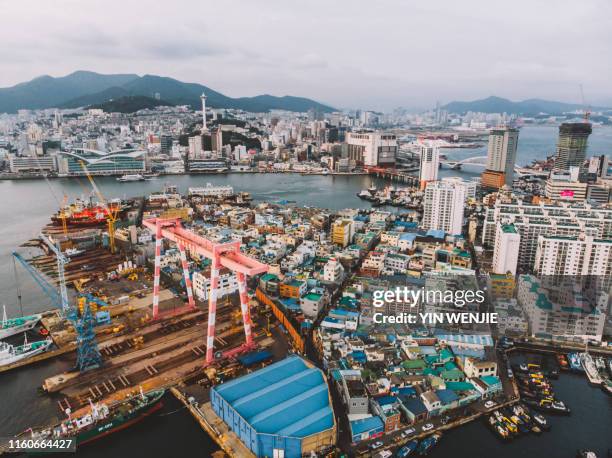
228,284
443,207
501,154
430,163
342,232
505,256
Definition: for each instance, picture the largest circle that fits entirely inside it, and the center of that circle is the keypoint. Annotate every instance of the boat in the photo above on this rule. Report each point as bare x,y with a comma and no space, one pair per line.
10,354
131,177
364,194
428,443
12,326
103,419
575,362
590,369
73,252
606,386
548,406
586,454
86,214
497,428
407,449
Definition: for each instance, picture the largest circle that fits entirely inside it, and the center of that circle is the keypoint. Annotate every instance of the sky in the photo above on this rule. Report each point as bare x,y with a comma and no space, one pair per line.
376,54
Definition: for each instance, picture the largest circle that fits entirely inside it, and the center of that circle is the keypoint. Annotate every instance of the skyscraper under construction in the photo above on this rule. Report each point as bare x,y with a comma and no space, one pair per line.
572,145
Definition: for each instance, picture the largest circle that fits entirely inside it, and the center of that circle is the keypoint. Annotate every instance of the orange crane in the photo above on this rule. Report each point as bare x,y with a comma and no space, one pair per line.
112,211
587,110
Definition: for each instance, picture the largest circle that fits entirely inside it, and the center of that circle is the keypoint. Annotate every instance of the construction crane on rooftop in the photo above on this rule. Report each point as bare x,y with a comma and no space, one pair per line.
585,108
112,211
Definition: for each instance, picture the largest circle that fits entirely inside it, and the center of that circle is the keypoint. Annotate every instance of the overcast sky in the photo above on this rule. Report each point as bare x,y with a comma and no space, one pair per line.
376,54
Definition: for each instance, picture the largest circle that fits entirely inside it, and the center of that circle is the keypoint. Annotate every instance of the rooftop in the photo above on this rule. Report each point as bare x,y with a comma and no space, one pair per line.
287,398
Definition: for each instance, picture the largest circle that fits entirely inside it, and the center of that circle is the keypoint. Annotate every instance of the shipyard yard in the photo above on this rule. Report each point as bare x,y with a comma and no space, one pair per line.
117,345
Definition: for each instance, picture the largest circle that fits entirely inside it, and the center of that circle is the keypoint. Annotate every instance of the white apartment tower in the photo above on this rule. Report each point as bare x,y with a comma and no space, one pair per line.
505,256
443,206
430,163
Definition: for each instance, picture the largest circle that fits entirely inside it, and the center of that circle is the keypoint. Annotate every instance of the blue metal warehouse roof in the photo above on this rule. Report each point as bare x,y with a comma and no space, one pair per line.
366,424
287,398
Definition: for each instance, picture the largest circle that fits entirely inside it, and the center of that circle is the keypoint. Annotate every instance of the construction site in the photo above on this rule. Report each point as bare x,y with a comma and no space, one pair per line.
126,324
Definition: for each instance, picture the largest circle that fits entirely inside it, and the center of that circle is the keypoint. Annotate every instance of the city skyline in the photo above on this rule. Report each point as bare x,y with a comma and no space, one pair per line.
411,49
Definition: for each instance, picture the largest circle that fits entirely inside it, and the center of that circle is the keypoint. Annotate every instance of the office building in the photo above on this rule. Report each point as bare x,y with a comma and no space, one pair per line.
372,148
443,206
564,185
572,145
501,157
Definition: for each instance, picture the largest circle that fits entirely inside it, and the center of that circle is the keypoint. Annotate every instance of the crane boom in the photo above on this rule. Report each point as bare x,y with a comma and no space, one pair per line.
62,260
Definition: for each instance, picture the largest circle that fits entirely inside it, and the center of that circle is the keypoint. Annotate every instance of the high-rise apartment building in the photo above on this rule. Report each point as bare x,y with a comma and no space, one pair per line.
532,220
430,163
574,256
572,144
501,157
443,206
505,256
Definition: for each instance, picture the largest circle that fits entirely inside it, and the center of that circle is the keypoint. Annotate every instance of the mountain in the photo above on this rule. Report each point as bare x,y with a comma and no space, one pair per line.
499,105
130,104
84,88
47,92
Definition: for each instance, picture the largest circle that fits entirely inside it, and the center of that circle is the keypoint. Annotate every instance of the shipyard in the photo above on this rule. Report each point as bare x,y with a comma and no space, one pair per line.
335,230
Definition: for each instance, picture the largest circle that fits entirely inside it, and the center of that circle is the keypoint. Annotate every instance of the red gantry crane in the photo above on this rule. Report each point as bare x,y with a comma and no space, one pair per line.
226,255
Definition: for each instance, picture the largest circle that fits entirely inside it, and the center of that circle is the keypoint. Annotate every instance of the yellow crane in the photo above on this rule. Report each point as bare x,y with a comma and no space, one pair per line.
112,211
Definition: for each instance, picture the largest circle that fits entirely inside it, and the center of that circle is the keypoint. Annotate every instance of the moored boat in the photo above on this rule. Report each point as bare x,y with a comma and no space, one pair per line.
10,354
428,443
103,419
12,326
131,177
407,449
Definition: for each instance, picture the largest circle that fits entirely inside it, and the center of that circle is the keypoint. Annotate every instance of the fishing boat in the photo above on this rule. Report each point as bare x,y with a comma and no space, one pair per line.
103,419
428,443
407,449
586,454
575,362
131,177
606,386
590,369
10,354
12,326
562,360
548,406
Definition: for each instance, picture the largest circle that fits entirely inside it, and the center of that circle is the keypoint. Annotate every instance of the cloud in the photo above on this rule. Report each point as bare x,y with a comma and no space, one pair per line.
355,53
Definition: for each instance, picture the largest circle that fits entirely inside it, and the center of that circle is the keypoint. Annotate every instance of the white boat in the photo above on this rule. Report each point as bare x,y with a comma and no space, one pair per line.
590,369
11,326
10,354
132,177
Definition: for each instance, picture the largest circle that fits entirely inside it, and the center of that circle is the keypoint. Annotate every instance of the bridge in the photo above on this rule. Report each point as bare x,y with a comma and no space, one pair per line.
480,162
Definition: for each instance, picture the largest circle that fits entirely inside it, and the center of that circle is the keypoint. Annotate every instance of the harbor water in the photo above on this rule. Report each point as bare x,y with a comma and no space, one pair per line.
27,205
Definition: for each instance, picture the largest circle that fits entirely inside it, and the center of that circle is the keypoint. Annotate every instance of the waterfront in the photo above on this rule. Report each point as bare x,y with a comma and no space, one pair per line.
27,207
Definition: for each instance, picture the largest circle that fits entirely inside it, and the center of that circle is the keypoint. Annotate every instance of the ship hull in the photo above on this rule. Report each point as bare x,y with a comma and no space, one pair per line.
8,332
118,424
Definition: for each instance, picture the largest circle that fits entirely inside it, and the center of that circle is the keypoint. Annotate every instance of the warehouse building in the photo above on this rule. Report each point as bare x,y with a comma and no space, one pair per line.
283,410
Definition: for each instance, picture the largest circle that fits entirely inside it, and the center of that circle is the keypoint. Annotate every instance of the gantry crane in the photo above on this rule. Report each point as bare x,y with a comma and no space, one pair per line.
112,211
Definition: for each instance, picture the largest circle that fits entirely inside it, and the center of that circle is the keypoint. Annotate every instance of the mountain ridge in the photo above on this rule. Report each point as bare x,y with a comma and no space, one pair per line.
83,88
494,104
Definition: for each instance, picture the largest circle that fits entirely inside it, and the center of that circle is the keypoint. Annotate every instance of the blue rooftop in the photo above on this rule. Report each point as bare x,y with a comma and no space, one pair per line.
366,424
439,234
446,396
287,398
411,236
